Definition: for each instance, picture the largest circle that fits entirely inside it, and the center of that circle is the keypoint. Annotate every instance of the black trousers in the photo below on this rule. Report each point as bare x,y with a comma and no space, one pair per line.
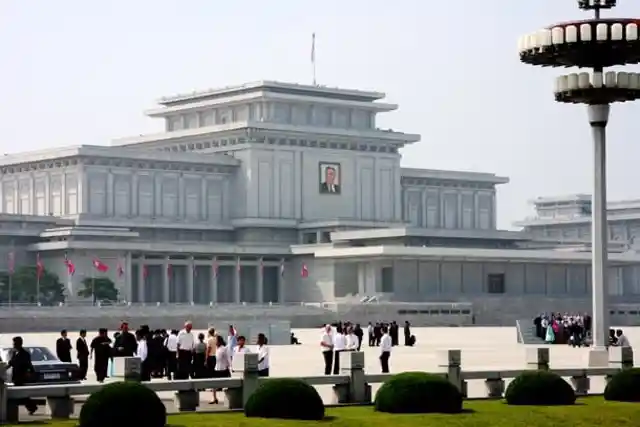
83,363
371,340
145,370
328,361
336,362
101,367
185,358
172,364
384,361
263,372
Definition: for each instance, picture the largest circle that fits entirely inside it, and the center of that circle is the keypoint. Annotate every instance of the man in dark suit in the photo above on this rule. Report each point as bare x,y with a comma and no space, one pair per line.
63,347
83,354
330,184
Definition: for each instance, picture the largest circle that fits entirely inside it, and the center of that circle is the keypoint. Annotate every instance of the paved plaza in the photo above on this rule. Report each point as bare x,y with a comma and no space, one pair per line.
482,349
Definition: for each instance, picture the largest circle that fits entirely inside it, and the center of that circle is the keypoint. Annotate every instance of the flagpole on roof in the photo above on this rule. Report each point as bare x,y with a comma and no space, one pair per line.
313,56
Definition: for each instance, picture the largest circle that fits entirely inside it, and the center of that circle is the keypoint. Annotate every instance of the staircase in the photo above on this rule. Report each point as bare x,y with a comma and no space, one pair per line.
526,332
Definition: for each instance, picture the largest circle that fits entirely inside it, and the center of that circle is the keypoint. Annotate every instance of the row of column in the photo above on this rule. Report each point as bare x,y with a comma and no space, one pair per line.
214,275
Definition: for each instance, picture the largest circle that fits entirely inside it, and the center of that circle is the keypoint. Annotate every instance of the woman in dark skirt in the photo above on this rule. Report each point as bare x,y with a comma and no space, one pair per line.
223,363
210,357
199,358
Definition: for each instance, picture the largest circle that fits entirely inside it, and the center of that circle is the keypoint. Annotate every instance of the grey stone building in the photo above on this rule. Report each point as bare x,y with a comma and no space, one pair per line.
279,193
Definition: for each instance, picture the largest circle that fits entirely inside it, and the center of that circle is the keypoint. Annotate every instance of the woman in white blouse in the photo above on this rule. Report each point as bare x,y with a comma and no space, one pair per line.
223,364
263,356
352,341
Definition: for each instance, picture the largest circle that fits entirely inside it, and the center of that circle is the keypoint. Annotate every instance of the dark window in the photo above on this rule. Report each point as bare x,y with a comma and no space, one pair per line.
466,311
309,238
325,237
495,283
387,279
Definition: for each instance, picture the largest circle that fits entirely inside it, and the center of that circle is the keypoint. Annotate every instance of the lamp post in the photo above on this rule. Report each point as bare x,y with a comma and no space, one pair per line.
593,44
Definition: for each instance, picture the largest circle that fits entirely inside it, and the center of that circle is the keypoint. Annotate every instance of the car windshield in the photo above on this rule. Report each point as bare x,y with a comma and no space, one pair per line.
38,354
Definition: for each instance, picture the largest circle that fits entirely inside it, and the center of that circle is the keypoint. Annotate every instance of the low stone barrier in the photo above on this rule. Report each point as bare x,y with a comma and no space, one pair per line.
353,385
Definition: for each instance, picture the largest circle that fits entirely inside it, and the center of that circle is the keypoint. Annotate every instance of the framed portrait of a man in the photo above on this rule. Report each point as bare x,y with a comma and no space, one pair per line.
330,178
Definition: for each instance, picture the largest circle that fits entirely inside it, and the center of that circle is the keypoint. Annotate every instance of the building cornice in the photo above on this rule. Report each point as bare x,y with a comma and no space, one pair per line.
538,222
266,84
269,97
410,175
205,248
389,233
116,157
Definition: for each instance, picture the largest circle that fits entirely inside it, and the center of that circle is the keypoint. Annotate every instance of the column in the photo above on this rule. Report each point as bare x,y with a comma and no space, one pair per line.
128,288
110,194
213,282
190,272
281,284
141,280
362,279
260,281
165,281
236,282
134,194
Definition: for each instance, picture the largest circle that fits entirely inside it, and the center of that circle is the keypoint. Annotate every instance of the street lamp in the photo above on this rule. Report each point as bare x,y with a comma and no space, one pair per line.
596,44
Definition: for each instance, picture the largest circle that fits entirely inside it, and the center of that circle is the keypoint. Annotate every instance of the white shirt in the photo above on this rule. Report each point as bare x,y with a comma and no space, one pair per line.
171,343
326,339
142,350
241,350
370,329
339,342
223,360
263,356
385,343
623,341
352,342
186,340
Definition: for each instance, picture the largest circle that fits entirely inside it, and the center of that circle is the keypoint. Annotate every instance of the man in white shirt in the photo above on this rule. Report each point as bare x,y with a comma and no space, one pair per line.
171,344
326,346
385,350
241,348
339,345
352,340
143,353
623,341
186,345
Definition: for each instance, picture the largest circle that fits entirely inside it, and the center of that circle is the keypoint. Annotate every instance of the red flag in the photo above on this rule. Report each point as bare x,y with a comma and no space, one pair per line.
100,266
239,267
71,268
195,271
215,268
304,272
120,269
12,262
261,265
282,268
39,266
169,270
145,271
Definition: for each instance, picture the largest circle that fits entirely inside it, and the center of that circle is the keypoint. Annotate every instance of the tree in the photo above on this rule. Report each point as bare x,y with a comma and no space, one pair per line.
99,289
24,287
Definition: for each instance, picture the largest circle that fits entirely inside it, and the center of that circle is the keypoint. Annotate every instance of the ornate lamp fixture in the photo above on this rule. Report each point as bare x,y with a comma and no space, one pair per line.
597,44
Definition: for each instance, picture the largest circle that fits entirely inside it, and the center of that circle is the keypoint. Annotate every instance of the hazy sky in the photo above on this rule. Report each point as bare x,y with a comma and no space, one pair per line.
81,72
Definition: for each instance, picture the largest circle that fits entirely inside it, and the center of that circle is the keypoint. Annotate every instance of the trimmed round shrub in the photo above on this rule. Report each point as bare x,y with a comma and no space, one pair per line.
539,388
418,393
286,398
122,404
624,386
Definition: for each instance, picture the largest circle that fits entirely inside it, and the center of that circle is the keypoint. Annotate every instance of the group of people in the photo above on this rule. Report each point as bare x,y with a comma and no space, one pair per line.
557,328
376,331
341,337
172,354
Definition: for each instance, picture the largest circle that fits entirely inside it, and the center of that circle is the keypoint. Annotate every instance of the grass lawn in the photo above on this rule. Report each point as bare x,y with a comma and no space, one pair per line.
588,412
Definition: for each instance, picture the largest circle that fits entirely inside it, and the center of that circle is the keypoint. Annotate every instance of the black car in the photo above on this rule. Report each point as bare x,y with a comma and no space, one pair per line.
49,370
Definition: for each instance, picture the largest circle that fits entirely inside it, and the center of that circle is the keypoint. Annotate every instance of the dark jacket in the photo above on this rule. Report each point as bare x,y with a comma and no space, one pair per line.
63,349
23,370
82,348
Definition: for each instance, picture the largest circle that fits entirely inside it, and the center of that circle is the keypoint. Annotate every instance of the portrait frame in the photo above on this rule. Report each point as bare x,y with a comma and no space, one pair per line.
323,188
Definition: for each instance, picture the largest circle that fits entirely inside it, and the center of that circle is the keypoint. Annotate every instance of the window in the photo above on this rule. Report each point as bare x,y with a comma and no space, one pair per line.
325,237
309,238
495,283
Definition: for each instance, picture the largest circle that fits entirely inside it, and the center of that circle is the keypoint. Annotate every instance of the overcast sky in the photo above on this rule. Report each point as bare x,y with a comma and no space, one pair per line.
81,72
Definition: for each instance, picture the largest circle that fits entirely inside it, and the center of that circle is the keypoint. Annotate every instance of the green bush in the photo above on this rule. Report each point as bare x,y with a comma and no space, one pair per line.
624,386
539,388
418,392
123,404
286,398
